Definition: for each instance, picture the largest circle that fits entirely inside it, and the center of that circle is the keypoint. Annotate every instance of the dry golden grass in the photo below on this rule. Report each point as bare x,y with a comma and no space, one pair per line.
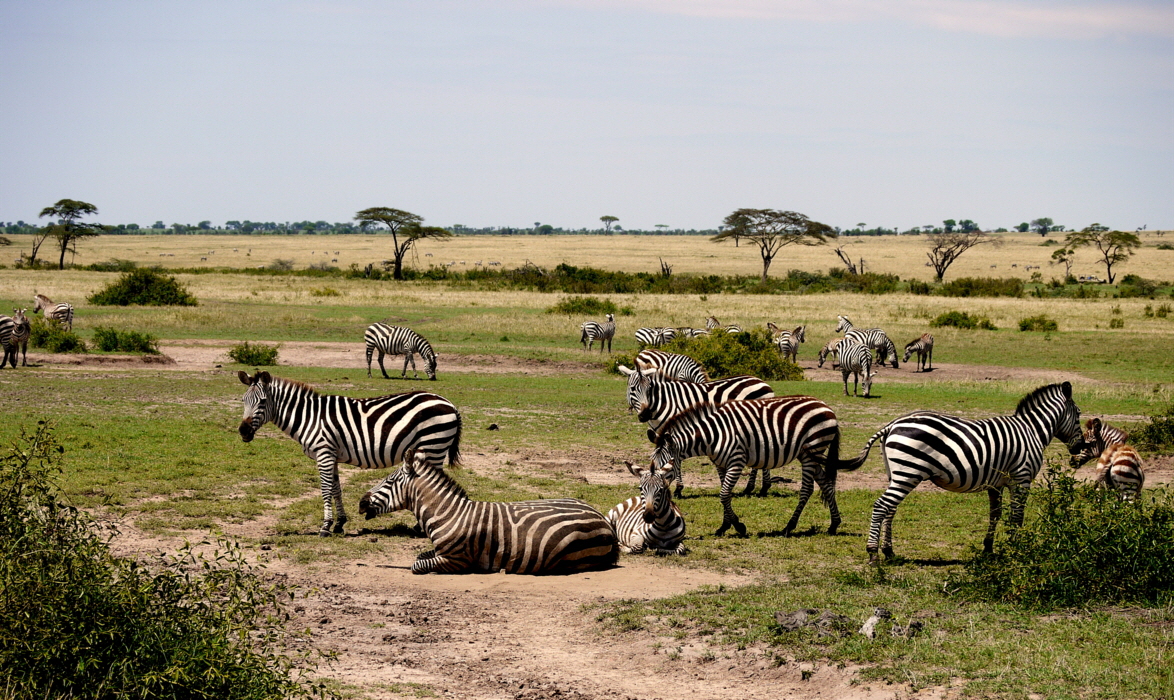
901,255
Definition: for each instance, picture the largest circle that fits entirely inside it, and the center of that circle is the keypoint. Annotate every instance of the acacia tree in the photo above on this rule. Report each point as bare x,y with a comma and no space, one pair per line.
771,230
1042,225
1114,246
405,230
1064,256
946,247
68,230
608,220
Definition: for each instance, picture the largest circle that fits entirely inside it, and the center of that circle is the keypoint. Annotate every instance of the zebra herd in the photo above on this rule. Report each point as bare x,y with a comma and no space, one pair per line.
16,329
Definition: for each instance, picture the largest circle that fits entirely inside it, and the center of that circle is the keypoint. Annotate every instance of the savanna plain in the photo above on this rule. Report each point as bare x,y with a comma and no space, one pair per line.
154,445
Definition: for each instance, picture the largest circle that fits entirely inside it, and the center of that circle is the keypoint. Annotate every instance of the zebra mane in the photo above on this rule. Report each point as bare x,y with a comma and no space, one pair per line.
442,478
295,384
1036,396
685,417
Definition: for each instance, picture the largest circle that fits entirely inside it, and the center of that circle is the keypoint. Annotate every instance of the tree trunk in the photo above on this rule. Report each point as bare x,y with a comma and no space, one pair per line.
765,267
64,246
398,271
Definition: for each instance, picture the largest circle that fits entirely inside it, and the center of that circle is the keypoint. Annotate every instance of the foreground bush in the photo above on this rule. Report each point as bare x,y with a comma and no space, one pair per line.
111,340
961,319
144,288
79,622
52,337
1080,546
1158,434
1038,323
731,354
257,355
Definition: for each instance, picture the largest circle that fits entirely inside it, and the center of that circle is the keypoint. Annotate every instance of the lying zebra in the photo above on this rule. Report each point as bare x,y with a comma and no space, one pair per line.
558,535
650,521
1118,465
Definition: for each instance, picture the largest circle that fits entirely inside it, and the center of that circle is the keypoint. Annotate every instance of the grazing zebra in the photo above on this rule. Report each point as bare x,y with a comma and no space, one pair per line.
831,348
671,365
397,340
964,456
763,434
603,332
788,341
558,535
873,338
368,433
650,521
856,359
923,346
712,324
655,337
61,313
1097,436
691,333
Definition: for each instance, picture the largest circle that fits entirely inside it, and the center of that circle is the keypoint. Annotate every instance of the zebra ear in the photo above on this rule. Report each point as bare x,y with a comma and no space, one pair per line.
636,471
648,372
1067,387
626,371
244,377
263,377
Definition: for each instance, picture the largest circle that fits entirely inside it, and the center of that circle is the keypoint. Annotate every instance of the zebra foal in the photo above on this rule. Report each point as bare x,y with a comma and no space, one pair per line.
923,346
397,340
1119,467
592,331
831,348
61,313
650,521
965,456
367,433
559,535
1097,436
14,338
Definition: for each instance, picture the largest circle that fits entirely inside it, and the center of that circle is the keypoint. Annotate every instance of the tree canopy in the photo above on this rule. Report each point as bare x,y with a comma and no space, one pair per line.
608,220
1042,225
1114,246
405,228
772,230
946,247
68,230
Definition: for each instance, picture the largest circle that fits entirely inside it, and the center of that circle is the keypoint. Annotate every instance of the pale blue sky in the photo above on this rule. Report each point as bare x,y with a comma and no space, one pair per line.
888,112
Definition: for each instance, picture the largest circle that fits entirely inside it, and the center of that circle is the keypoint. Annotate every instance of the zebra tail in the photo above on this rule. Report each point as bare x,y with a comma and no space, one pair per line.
847,465
454,450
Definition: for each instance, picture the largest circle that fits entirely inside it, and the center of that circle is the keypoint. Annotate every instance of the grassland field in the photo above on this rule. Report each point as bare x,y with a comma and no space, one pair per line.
159,446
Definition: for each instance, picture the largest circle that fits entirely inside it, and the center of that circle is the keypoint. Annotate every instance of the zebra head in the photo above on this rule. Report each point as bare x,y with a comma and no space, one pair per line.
638,383
844,324
392,493
774,330
258,407
430,366
828,349
909,349
654,489
1093,444
40,301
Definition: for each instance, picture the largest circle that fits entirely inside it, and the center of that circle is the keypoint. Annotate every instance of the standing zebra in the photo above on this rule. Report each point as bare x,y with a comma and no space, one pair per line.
923,346
650,521
367,433
397,340
1097,436
691,332
712,324
603,332
61,313
763,434
964,456
856,359
1118,466
831,348
558,535
671,365
19,340
7,342
873,338
655,337
788,341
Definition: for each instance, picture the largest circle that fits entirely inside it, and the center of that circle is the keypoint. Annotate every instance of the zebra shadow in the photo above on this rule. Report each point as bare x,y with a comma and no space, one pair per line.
898,560
809,532
396,530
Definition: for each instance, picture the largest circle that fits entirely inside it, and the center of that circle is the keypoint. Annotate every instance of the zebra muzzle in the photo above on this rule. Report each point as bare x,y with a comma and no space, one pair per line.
246,431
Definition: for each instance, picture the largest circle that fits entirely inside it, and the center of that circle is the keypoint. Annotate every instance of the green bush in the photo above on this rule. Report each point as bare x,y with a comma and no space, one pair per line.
1158,434
77,621
961,319
145,288
1038,323
325,292
1079,546
257,355
982,287
588,306
731,354
111,340
919,287
1133,287
1116,323
112,265
52,337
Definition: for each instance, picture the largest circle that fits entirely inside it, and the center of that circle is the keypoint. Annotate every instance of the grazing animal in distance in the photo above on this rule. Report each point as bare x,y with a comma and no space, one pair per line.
397,340
61,313
650,521
655,337
964,456
592,331
788,341
368,433
558,535
831,348
856,359
670,365
873,338
923,346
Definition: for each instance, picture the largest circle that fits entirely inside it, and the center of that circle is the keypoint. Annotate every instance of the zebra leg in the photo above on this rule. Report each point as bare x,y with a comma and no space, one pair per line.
996,496
430,562
407,356
370,351
806,488
887,535
381,367
733,472
930,358
767,480
827,490
1018,501
751,480
884,510
328,479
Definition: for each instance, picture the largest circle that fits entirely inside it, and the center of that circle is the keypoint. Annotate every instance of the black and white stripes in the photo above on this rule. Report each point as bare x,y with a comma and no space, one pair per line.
872,338
650,521
592,331
856,359
61,313
923,346
397,340
14,338
788,341
656,398
655,337
671,365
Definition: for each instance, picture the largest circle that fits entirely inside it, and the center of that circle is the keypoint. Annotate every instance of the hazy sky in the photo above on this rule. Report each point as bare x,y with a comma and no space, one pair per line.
677,112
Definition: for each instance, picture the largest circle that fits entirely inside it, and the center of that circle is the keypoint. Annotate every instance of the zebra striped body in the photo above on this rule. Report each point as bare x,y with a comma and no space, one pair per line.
671,365
691,332
1097,436
7,325
831,348
712,324
603,332
788,341
657,399
397,340
964,456
655,337
650,521
856,359
367,433
872,338
558,535
14,338
61,313
764,434
1119,469
923,346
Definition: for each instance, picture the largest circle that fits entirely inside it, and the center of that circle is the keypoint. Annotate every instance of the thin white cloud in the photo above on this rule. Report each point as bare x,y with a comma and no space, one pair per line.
1003,18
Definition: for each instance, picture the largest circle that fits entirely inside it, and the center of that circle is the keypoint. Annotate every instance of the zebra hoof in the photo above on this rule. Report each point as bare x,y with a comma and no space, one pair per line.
339,528
833,528
874,559
888,552
740,529
324,531
678,491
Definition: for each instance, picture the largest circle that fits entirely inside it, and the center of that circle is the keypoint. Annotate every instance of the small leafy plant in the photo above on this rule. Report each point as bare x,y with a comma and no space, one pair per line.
112,340
257,354
961,319
144,288
52,337
1038,323
1158,434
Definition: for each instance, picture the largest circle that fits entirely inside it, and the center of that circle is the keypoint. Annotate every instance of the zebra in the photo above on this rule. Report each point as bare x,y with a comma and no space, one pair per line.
366,433
558,535
61,313
763,434
397,340
788,341
874,338
655,336
650,521
7,328
603,332
671,365
856,359
1097,436
712,324
923,346
964,456
18,340
831,348
1118,466
691,333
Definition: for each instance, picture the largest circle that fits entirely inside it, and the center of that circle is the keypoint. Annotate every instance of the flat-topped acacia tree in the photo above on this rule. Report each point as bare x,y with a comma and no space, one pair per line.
772,230
68,230
405,228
